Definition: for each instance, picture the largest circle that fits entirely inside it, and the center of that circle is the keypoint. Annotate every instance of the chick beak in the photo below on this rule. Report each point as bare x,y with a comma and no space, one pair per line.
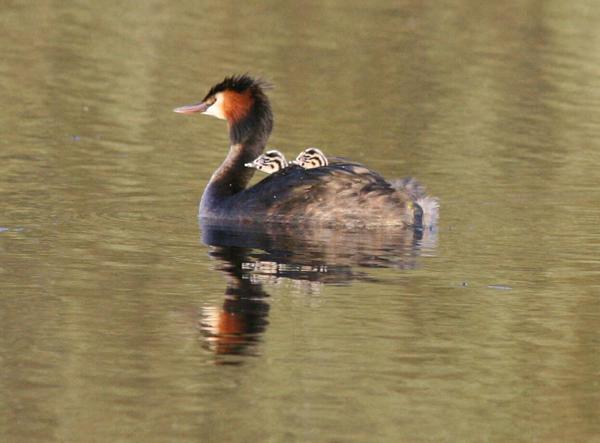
190,109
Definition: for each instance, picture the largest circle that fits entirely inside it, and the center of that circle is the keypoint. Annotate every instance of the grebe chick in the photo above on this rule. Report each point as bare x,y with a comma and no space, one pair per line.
341,193
269,162
311,158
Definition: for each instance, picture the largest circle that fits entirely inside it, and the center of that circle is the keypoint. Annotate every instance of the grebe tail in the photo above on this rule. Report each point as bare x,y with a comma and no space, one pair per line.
416,191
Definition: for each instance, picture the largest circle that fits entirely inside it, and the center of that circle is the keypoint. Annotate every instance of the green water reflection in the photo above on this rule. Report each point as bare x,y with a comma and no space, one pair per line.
111,304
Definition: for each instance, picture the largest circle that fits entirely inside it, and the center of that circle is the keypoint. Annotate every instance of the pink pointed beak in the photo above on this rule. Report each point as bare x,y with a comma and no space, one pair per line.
190,109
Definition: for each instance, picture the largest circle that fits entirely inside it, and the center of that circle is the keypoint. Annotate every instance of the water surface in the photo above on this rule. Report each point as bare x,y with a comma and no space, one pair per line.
122,319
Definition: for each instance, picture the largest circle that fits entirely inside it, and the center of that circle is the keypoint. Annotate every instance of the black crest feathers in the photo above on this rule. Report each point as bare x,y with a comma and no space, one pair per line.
238,83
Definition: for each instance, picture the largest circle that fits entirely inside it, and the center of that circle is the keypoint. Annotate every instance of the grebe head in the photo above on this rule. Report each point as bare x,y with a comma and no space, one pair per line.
311,158
269,162
241,101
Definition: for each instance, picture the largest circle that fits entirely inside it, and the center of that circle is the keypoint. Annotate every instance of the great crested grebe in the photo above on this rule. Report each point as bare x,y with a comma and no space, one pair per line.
343,193
269,162
311,158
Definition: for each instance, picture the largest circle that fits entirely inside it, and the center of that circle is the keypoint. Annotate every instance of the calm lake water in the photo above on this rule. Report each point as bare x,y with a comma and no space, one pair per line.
124,320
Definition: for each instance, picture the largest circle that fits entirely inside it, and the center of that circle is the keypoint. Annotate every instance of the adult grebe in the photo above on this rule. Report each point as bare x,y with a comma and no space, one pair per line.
344,193
269,162
311,158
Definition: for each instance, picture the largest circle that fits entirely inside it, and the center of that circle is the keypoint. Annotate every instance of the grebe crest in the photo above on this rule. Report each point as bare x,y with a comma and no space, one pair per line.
269,162
311,158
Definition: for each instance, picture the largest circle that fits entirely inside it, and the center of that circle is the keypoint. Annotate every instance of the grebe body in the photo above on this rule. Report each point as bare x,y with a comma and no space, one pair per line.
269,162
343,193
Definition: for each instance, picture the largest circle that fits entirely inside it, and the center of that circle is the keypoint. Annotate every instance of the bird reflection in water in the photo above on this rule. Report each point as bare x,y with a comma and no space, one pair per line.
235,327
254,257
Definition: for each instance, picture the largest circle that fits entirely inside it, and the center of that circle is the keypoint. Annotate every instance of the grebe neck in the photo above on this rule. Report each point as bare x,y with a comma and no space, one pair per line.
248,138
